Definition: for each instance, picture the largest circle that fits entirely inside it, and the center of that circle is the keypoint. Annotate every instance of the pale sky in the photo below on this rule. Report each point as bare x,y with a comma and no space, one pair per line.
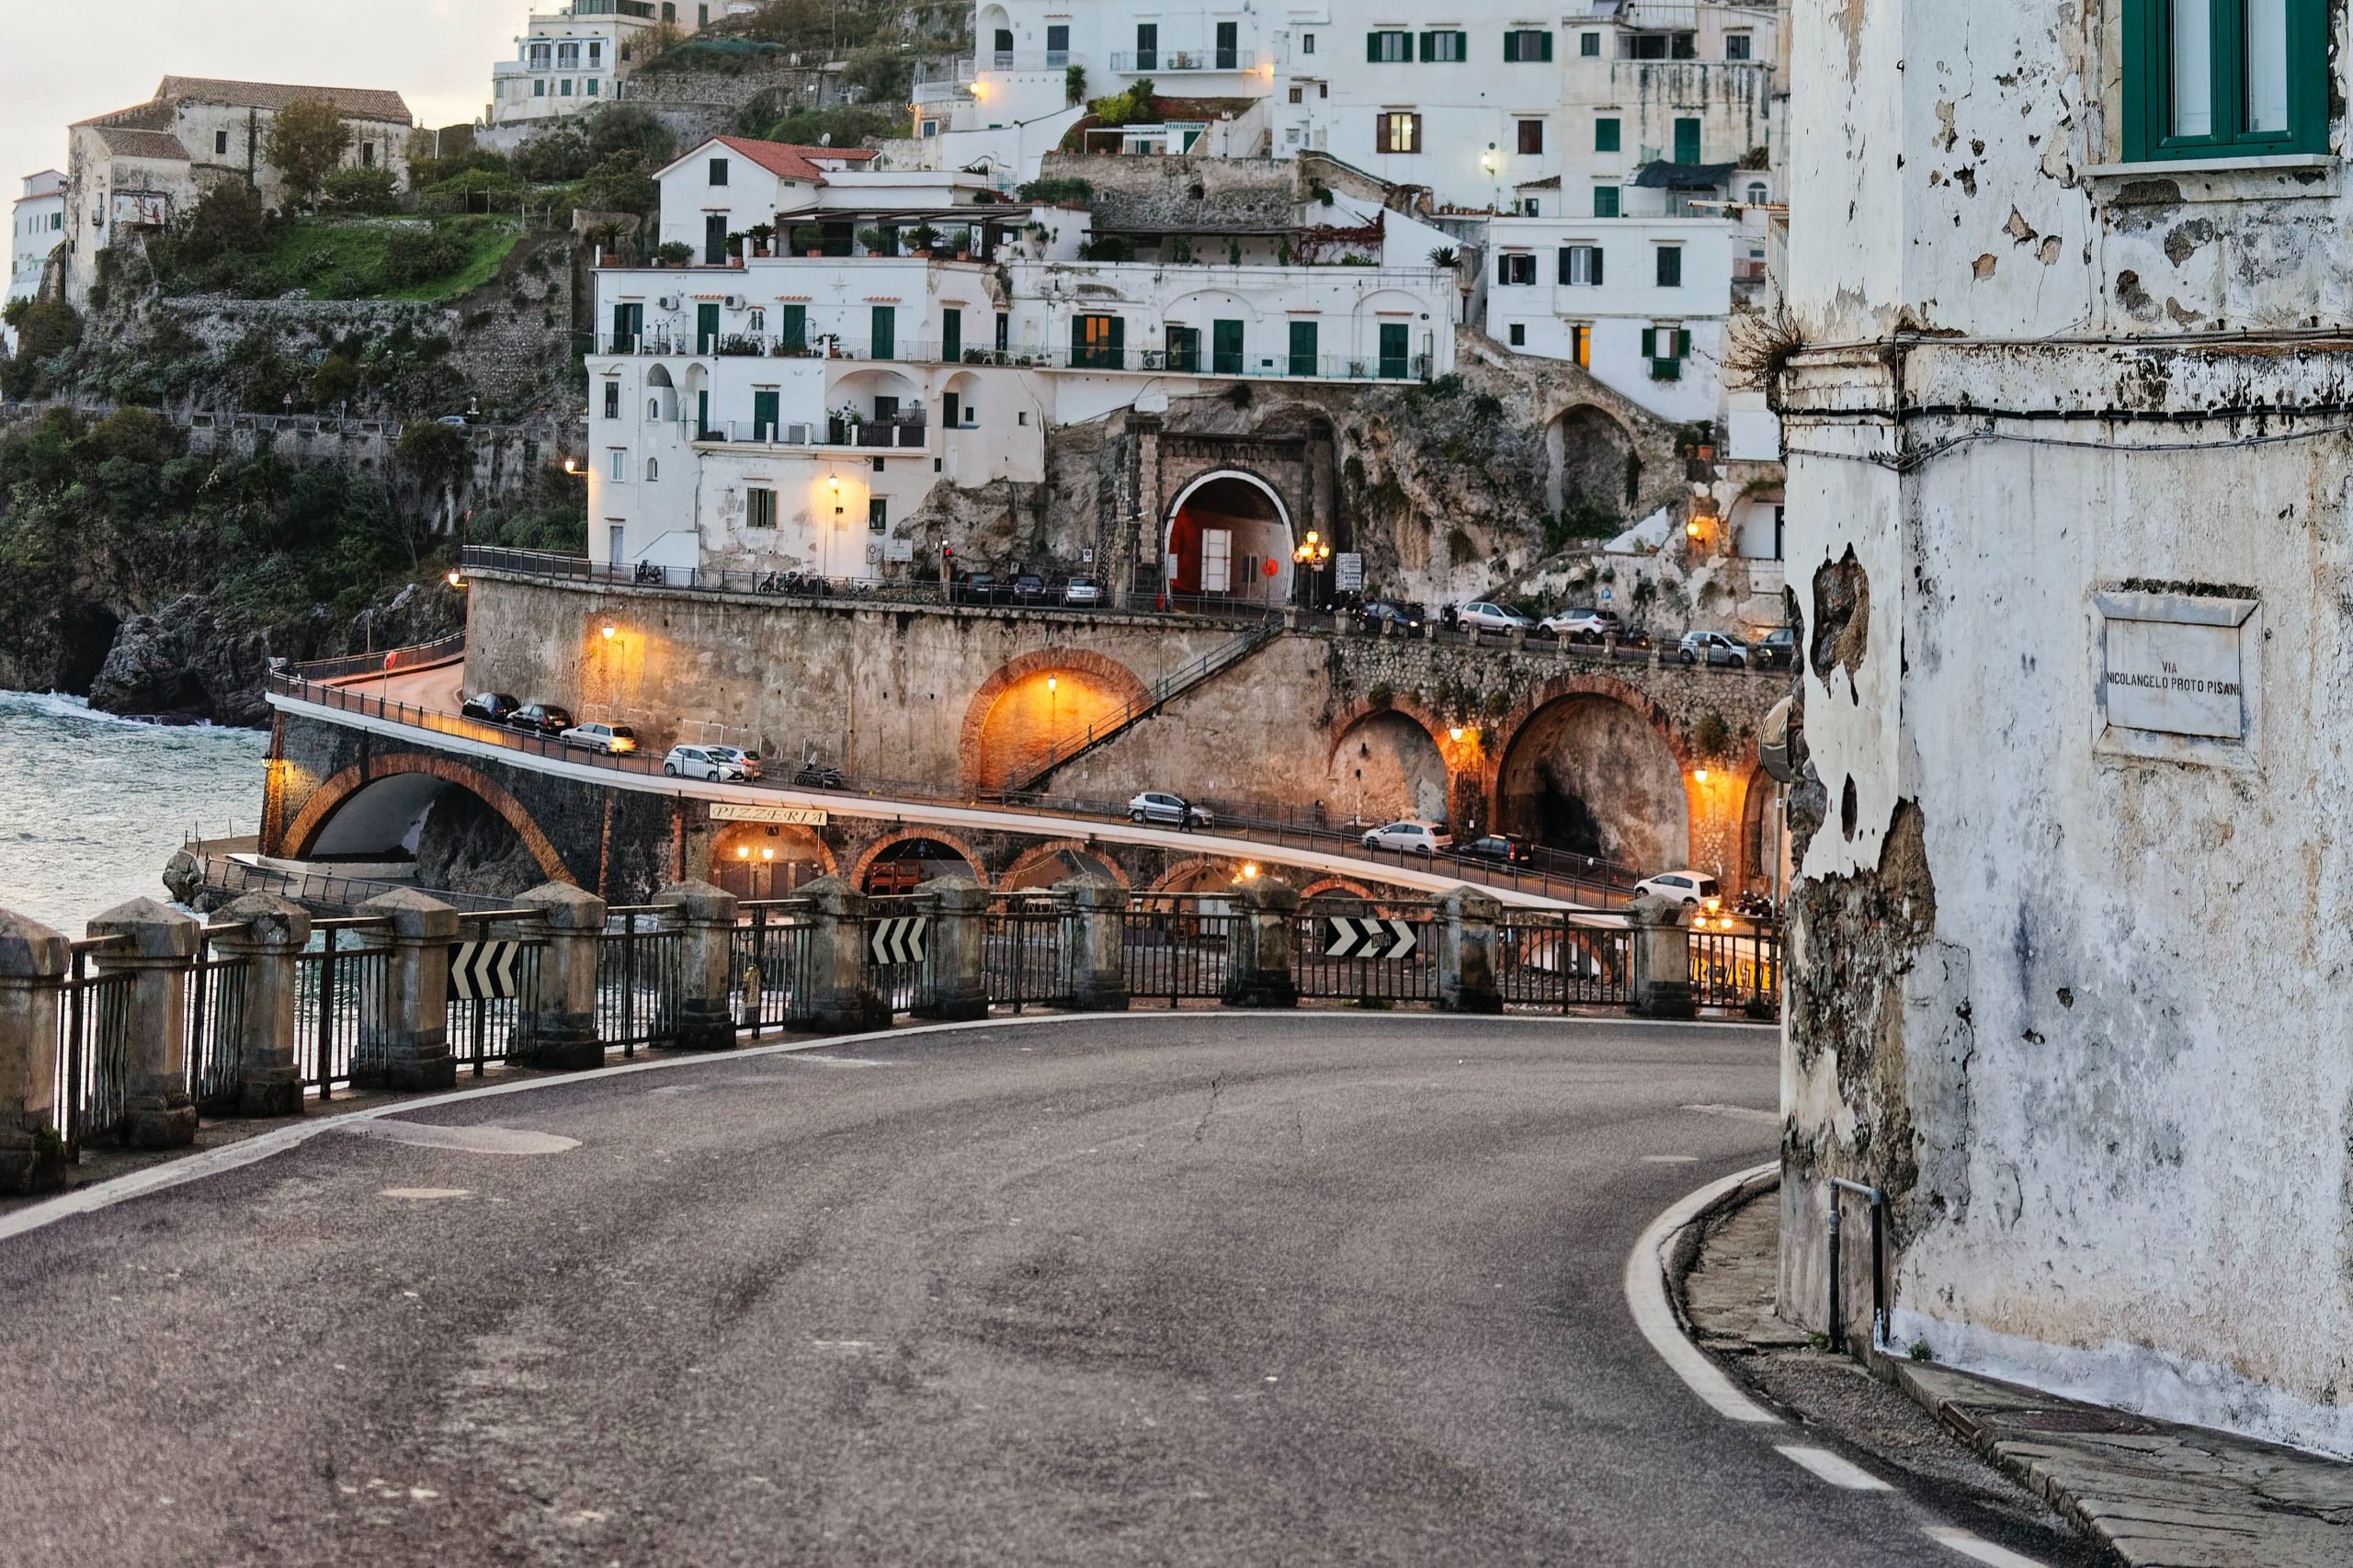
66,60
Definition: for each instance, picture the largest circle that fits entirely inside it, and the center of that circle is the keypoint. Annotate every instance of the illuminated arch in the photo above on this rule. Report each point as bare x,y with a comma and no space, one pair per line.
977,758
331,796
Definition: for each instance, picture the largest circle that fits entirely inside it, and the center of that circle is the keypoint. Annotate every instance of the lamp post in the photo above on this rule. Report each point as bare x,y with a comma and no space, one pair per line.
1314,553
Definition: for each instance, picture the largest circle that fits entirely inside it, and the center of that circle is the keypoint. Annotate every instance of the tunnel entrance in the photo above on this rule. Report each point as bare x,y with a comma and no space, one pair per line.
1228,539
908,864
447,837
1590,775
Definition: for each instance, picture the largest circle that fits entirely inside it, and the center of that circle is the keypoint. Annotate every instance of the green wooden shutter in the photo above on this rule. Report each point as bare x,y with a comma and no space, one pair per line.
1462,46
1596,260
1683,343
1605,134
1303,348
795,336
1511,48
1686,140
1430,48
1373,48
1118,346
1650,343
886,332
1544,43
951,336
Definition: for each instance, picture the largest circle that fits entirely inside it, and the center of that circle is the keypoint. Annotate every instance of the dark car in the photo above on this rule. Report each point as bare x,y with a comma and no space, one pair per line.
491,707
541,718
1777,649
981,588
1508,848
1403,618
1029,590
814,776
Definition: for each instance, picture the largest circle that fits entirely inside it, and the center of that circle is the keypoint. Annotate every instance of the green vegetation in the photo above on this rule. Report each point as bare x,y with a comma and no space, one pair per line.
1134,106
306,143
847,125
351,259
1052,192
45,329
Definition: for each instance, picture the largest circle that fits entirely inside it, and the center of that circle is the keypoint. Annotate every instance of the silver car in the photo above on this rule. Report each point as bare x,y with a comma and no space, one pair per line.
1155,805
1713,648
1082,591
704,761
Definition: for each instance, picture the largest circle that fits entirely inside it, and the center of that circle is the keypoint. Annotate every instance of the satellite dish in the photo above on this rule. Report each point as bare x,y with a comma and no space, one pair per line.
826,139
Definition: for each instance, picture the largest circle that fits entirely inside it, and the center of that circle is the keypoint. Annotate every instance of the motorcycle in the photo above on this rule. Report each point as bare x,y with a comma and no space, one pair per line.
813,777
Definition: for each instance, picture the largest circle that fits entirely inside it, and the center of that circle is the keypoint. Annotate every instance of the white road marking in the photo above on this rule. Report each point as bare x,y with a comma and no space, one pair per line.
1654,1314
1832,1469
679,1089
467,1140
839,1061
1978,1548
1670,1159
426,1192
1738,1112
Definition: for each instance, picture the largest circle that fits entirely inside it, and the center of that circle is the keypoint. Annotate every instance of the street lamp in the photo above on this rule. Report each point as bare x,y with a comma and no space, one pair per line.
457,579
1314,553
605,631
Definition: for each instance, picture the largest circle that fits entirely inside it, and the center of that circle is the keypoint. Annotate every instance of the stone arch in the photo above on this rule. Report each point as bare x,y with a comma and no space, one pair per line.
874,852
1591,452
1590,765
1394,778
1090,687
1758,841
1250,510
303,833
1175,878
661,396
757,860
1051,853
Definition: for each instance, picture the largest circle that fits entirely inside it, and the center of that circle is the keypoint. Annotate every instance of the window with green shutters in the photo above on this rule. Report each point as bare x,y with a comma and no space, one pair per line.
706,327
1445,48
794,336
1303,348
2225,78
1226,348
1666,348
1526,46
1605,134
1686,140
764,412
1185,350
951,336
885,337
1395,362
1388,48
1097,343
1605,201
628,324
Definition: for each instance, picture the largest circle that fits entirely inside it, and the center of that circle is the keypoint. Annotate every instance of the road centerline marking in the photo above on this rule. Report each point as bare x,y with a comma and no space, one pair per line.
1831,1468
1978,1548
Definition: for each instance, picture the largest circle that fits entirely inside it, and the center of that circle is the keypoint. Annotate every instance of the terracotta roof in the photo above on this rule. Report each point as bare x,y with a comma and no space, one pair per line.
790,162
128,141
152,115
1551,182
358,103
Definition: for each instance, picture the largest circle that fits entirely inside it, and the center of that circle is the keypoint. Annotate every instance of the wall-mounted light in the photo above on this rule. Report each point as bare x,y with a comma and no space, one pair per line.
571,465
1455,733
744,853
1053,681
1250,871
457,579
605,631
1487,160
1700,774
767,854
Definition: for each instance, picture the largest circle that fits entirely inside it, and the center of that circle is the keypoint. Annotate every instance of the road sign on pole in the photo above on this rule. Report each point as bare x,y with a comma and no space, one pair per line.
898,939
483,972
1347,572
1369,937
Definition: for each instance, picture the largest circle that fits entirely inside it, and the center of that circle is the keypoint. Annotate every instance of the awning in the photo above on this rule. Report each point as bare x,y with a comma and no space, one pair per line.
1656,176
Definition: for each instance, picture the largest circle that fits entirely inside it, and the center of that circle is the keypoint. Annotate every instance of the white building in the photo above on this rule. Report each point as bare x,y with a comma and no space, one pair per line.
2068,480
138,170
576,57
790,412
36,228
731,184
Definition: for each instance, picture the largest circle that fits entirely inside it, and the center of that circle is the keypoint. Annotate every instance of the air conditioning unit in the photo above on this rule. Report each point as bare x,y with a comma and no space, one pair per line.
734,301
667,302
796,435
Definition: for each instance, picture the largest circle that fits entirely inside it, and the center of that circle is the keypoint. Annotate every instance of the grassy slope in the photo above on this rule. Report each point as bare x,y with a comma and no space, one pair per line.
344,260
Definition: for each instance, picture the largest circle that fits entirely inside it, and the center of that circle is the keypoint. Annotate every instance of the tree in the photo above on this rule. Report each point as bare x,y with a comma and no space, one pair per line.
306,142
629,128
621,184
229,219
365,192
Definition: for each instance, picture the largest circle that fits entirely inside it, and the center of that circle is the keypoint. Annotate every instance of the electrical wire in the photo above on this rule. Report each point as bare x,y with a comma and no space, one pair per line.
1907,463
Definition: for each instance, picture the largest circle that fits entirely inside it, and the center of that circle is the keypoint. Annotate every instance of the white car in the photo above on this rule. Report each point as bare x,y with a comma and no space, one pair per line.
1583,625
1686,888
742,759
1713,648
1082,591
1408,836
1480,616
611,739
711,763
1155,805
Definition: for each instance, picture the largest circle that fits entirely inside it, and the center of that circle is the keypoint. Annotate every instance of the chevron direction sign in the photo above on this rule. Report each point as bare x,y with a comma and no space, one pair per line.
483,972
898,939
1366,937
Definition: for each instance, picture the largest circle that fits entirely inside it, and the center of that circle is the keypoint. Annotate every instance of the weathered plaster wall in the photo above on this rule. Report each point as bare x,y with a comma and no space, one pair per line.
2073,1009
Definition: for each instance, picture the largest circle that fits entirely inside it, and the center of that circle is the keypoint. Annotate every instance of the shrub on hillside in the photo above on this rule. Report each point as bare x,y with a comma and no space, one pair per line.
370,192
621,184
413,256
229,219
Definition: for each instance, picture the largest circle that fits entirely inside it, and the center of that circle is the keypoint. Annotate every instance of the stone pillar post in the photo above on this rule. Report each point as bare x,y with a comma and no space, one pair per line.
405,1040
33,961
955,986
1466,946
1257,962
845,1003
1661,961
1095,969
270,933
157,945
559,1023
707,916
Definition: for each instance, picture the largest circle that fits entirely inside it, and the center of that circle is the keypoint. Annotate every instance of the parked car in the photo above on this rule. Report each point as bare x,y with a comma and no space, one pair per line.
1777,649
748,761
1508,848
981,588
1480,615
1155,805
491,707
703,762
1713,648
1082,591
1407,837
1686,888
1403,618
1029,590
541,719
816,776
611,739
1582,624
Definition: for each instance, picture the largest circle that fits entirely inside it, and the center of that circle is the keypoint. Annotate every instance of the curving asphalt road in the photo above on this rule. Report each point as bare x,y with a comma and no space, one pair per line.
1170,1289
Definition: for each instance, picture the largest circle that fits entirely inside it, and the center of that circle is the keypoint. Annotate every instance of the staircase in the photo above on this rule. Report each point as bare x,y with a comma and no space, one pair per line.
1034,769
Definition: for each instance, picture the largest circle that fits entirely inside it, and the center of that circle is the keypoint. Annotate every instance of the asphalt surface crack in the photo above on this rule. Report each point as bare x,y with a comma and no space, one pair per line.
1209,1111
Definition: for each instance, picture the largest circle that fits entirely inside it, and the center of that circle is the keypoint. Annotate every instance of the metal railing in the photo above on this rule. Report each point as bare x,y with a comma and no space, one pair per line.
771,964
638,977
339,989
1022,951
419,655
1737,968
1551,961
1174,946
93,1019
214,1003
1320,975
1032,771
1164,62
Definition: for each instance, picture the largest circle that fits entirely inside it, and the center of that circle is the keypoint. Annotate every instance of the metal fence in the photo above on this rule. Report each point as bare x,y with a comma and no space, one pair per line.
771,964
1176,948
339,987
1737,970
1022,952
1551,961
899,982
496,1029
638,977
93,1017
1323,968
215,1011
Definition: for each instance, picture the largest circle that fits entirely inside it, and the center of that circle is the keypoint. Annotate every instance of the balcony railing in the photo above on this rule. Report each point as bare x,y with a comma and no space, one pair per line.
904,432
773,345
1157,61
1279,366
1028,59
643,10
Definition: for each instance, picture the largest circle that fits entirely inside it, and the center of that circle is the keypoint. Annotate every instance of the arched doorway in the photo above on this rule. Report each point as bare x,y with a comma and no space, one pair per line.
1051,863
906,864
1590,775
1228,538
1036,707
1386,766
1591,469
757,861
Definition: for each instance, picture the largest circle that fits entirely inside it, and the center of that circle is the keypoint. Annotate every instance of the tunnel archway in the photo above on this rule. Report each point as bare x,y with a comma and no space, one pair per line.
1591,457
1043,701
1229,536
1386,763
459,829
1047,864
903,861
1593,771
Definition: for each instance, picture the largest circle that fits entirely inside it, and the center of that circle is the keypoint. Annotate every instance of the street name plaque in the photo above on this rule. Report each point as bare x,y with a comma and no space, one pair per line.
2177,676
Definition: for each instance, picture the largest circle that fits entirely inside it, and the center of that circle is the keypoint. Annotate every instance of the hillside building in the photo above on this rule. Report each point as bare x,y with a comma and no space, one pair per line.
579,56
134,172
36,228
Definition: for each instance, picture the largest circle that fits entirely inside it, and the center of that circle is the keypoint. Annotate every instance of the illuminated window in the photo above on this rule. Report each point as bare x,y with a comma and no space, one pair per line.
1398,131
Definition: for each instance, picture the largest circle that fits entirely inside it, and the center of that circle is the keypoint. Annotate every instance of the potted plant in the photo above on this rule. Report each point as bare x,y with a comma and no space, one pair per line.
809,239
960,242
875,242
674,253
975,356
921,238
759,234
